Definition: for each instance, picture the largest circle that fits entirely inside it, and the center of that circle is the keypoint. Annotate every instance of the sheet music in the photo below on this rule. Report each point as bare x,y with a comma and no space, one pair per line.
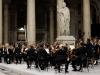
47,50
72,47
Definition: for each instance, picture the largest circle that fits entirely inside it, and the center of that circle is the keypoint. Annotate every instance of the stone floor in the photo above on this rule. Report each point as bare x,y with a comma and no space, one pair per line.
21,69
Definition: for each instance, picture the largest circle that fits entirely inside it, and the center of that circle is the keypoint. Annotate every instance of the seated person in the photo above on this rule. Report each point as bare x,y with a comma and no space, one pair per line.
30,55
41,51
80,55
61,51
17,54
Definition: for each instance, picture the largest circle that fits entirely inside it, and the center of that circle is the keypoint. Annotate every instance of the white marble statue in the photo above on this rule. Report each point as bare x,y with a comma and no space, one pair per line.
64,14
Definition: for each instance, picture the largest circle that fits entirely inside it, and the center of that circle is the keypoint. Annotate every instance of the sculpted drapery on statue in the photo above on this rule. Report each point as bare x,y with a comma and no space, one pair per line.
64,14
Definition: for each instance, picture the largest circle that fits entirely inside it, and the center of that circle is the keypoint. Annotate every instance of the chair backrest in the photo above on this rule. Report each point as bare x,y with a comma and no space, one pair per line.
32,56
60,59
82,56
42,57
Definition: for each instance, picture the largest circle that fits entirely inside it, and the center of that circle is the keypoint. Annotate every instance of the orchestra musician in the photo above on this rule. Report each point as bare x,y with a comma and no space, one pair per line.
41,51
90,47
30,54
17,53
96,50
10,53
99,46
7,54
1,53
80,54
53,54
61,51
23,52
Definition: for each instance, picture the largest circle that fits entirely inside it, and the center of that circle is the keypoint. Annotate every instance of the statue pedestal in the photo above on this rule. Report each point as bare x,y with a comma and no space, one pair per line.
66,39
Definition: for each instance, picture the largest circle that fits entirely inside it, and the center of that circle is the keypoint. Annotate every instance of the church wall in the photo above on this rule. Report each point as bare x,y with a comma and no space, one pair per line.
42,24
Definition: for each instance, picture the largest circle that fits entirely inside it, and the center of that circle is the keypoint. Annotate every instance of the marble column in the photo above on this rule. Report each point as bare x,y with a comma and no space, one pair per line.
86,20
51,25
0,21
6,22
59,6
31,28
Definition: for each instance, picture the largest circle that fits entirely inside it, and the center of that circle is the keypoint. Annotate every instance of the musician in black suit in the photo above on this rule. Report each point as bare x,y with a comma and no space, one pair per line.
1,53
79,57
96,50
41,51
31,56
11,54
17,53
65,47
23,52
7,53
62,51
90,48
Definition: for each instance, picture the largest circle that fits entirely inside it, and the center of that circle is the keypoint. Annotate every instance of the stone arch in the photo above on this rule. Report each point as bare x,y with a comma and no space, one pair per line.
95,8
96,4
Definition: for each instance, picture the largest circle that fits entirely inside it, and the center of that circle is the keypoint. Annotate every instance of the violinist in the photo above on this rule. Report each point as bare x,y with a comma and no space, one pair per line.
17,53
53,54
30,55
52,50
23,52
80,54
61,51
90,47
96,50
11,54
7,53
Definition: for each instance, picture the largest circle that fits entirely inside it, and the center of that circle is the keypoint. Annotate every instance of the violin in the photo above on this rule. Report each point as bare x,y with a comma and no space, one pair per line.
72,53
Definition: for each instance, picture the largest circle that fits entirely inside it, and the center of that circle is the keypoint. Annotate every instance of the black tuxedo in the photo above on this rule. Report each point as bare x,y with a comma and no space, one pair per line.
23,55
1,54
96,47
80,56
30,51
62,52
11,55
1,51
7,53
41,51
17,53
89,46
81,51
90,49
31,56
66,49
